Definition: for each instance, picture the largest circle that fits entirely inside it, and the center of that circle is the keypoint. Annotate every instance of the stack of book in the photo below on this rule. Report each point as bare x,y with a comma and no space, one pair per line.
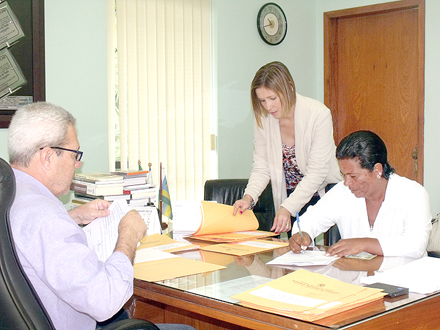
89,186
135,185
128,185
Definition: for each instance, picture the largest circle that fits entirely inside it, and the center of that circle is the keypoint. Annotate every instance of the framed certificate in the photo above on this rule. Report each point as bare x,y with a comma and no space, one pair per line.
28,52
10,28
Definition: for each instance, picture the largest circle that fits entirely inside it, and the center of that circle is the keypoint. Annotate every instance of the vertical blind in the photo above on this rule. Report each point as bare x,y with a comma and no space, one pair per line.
163,88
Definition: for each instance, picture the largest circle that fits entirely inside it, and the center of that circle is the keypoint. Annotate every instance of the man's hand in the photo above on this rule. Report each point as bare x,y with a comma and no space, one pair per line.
242,204
88,212
282,221
295,242
355,245
132,229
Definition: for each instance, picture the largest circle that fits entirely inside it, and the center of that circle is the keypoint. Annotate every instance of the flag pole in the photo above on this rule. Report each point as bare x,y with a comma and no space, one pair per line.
160,196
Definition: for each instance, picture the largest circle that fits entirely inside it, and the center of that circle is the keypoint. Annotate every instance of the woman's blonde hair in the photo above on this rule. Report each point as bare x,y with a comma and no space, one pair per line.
274,76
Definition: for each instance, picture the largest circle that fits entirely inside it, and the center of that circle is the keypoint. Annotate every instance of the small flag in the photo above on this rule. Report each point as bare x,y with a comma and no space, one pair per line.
166,201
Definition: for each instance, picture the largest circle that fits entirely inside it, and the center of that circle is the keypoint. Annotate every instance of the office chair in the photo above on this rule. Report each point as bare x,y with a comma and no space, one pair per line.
227,191
20,305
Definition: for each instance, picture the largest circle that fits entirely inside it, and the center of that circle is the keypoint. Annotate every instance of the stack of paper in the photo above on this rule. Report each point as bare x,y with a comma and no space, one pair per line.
245,248
307,296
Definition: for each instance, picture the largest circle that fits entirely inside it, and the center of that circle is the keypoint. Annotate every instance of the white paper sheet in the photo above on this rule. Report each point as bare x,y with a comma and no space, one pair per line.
308,258
187,216
151,218
102,233
420,276
286,297
151,254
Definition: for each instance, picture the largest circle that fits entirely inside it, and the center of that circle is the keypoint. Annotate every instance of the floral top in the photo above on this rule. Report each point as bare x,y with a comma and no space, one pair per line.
291,170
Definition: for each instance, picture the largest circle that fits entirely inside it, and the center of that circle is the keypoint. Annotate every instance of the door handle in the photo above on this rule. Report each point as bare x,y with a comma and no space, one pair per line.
415,156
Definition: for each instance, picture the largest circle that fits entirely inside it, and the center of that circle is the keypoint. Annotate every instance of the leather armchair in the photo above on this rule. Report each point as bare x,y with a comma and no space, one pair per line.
227,191
20,305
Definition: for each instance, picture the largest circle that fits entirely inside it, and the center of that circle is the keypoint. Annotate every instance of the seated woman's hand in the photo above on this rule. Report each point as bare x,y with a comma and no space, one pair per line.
295,243
355,245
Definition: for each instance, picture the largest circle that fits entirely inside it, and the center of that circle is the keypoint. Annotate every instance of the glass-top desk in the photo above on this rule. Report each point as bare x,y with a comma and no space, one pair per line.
203,300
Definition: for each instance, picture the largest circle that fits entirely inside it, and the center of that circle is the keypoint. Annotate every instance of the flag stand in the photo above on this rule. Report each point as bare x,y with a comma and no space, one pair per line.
160,195
162,225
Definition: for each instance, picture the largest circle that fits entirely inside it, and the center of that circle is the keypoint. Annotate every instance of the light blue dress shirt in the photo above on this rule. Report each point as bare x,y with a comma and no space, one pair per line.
75,287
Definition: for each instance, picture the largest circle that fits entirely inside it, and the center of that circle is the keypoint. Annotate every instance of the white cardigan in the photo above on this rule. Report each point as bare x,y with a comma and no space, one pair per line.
315,153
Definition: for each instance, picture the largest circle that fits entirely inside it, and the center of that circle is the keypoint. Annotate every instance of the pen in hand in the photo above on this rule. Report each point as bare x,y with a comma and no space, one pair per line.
300,233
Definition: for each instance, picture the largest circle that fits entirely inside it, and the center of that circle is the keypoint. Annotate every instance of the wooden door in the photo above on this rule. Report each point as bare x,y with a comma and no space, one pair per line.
374,77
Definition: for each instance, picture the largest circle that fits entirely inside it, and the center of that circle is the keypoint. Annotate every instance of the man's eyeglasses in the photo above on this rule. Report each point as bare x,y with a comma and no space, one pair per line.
78,156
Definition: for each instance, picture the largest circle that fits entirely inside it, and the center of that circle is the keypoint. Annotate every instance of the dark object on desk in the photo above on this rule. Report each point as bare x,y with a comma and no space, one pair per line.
20,305
227,191
434,254
392,290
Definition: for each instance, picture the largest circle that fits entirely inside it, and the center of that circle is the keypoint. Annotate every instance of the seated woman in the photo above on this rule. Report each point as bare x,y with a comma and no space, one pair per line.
376,210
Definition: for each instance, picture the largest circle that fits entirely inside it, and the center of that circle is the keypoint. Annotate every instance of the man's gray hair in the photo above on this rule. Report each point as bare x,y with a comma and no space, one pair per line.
36,126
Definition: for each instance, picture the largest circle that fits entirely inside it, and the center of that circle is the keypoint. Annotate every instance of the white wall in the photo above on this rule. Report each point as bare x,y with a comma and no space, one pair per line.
76,73
239,52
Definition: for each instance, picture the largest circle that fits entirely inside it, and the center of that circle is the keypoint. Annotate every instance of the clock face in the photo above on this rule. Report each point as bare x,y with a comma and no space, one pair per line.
272,23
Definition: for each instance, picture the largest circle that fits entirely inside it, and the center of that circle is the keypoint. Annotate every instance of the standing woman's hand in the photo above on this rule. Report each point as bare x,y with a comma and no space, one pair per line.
242,204
282,222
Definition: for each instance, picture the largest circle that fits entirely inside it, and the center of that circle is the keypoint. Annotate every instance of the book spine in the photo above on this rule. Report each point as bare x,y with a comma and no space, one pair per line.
85,180
79,188
94,190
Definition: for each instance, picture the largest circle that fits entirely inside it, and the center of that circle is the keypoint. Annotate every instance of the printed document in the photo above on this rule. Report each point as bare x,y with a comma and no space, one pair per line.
102,233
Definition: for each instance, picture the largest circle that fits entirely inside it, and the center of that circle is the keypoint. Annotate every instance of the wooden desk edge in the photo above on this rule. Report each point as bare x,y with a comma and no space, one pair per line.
413,315
215,309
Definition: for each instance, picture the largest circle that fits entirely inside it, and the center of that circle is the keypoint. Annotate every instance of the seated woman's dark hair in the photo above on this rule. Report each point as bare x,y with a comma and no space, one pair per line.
368,148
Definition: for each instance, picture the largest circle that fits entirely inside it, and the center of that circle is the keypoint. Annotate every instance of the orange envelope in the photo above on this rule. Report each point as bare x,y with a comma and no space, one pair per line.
165,243
217,219
169,268
245,248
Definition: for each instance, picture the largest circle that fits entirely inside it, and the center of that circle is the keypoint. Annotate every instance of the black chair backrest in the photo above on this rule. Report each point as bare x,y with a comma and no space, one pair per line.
227,191
19,304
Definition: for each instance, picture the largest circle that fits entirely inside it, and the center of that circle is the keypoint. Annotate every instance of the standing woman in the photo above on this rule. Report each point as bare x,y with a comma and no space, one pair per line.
294,147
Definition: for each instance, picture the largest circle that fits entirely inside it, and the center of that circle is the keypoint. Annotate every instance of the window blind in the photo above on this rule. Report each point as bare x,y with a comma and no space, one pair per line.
163,88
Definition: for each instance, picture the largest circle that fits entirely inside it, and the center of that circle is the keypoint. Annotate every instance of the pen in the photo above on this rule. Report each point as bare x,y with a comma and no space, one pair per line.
300,232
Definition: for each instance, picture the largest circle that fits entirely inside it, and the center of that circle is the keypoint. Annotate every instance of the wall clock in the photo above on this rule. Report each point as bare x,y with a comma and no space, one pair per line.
272,24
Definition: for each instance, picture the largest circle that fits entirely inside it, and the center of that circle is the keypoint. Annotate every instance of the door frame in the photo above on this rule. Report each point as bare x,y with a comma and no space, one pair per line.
330,54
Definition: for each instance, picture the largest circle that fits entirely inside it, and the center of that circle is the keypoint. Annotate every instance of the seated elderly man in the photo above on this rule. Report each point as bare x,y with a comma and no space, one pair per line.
376,210
74,286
